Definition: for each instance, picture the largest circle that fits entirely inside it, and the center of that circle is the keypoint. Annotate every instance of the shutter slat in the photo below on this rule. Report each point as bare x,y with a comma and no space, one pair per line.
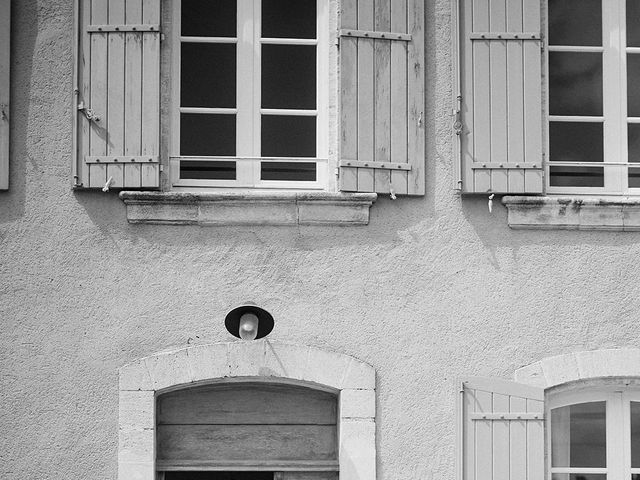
501,102
133,95
5,111
382,96
366,98
508,448
115,93
382,60
399,145
98,101
119,80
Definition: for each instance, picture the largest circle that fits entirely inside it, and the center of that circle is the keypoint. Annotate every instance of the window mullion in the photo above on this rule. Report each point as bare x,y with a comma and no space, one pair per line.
244,96
257,86
612,108
624,130
615,442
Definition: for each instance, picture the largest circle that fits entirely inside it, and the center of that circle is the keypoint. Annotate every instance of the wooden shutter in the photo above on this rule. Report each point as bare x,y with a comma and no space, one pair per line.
253,426
499,121
118,100
382,132
501,431
5,35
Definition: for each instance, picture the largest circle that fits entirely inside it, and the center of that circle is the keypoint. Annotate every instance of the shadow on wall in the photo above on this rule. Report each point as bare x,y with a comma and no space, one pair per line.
23,45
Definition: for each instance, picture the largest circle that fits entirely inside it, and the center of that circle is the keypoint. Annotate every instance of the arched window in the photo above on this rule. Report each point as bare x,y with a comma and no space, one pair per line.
595,431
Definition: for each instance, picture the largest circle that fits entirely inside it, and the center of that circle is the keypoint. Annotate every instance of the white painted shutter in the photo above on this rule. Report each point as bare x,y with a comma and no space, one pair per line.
500,100
118,94
5,36
501,430
382,136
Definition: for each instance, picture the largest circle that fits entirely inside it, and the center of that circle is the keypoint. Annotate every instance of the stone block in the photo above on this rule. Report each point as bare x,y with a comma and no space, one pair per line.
357,450
208,361
560,369
359,375
609,363
246,358
531,375
136,471
165,213
328,213
135,376
357,404
169,369
136,445
285,360
248,213
631,218
136,409
326,368
601,217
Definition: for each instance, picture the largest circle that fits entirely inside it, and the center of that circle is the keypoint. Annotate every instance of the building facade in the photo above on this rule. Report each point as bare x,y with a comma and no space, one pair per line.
444,231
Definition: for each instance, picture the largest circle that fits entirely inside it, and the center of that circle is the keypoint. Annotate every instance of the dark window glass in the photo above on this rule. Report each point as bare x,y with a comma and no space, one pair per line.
634,182
576,177
578,435
284,136
635,406
579,476
289,18
576,142
206,135
289,76
224,170
634,142
288,171
633,23
208,75
209,18
633,85
575,22
218,475
575,83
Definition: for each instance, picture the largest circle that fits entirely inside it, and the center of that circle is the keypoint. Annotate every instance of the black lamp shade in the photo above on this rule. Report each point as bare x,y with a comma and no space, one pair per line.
265,320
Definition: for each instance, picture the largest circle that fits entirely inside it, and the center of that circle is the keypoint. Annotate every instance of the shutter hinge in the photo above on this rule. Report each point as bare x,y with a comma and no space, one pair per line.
405,37
3,112
89,113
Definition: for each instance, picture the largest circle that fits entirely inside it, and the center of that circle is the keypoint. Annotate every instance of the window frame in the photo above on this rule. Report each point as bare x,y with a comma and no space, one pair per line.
618,397
249,111
614,118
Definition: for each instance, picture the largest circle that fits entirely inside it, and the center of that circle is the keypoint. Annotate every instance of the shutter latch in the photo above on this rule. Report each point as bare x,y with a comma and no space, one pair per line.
88,112
3,112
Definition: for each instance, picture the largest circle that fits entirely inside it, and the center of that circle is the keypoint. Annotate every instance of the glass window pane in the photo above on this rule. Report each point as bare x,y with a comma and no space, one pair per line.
284,136
576,177
634,182
218,475
208,18
224,170
576,142
207,135
578,436
633,23
289,76
635,406
575,83
208,75
288,171
633,85
578,476
575,22
634,142
289,18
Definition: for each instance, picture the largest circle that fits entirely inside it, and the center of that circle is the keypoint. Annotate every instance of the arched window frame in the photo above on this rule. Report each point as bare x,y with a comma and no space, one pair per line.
142,380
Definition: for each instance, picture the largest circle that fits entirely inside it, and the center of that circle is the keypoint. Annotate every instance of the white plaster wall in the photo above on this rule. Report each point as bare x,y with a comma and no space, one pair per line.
433,288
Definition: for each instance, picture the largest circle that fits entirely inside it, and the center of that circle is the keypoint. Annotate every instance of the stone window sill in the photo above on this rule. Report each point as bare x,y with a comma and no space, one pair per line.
252,208
574,213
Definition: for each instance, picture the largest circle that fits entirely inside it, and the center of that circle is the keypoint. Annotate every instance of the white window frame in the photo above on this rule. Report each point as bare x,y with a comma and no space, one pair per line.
248,102
614,79
5,41
618,428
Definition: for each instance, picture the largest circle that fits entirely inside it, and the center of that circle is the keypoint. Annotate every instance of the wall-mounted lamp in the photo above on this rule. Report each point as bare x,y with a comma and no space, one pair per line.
249,322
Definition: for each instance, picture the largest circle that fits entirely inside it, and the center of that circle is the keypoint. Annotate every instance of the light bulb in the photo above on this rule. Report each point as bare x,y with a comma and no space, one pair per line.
248,326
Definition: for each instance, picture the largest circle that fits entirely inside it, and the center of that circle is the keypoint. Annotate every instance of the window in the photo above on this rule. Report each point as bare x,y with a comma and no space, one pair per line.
594,101
5,32
595,434
250,93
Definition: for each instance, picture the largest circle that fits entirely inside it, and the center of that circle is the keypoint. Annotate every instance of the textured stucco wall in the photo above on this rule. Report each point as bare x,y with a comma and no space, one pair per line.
433,288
